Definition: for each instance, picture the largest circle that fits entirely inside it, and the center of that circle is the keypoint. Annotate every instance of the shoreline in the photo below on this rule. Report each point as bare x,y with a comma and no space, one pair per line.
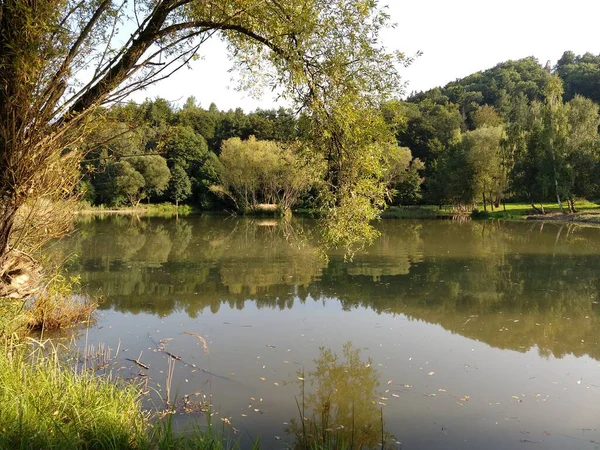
590,217
578,218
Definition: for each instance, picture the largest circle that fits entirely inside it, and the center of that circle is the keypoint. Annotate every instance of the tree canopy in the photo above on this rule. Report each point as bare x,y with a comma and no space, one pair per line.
60,61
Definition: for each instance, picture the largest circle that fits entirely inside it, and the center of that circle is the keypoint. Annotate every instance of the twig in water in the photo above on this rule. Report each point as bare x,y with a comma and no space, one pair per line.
196,335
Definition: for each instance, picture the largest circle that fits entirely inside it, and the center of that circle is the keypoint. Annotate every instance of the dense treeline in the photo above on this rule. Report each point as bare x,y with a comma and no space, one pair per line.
156,152
518,131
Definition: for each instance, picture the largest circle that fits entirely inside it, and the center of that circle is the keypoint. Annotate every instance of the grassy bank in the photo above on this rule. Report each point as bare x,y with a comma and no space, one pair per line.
523,211
151,210
53,398
588,212
47,405
416,212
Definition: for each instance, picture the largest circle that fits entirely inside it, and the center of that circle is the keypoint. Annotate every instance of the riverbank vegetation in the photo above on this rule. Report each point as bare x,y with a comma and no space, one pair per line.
67,67
516,133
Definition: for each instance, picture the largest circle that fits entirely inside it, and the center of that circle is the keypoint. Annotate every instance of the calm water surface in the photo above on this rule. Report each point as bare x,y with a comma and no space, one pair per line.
465,335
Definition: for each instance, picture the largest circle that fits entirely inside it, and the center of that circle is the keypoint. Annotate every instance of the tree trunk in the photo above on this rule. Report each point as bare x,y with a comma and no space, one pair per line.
8,211
535,208
560,206
19,273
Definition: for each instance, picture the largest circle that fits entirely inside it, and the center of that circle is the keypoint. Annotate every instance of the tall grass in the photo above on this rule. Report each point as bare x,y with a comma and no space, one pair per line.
57,306
47,405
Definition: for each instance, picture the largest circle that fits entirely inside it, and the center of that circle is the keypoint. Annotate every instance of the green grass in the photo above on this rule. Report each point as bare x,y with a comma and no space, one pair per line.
50,403
520,211
152,210
47,405
513,211
415,212
49,399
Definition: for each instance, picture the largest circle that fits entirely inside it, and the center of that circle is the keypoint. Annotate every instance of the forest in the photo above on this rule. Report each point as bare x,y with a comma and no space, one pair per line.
516,132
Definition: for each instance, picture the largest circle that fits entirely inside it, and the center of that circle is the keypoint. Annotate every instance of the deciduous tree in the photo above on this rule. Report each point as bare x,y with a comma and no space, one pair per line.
61,60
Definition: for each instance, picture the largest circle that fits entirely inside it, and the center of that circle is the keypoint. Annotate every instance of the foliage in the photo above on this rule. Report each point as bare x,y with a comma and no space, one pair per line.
61,62
255,172
484,154
180,186
403,176
48,405
580,74
342,415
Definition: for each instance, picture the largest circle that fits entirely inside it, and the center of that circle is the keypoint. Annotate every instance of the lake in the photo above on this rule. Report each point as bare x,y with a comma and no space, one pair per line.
458,335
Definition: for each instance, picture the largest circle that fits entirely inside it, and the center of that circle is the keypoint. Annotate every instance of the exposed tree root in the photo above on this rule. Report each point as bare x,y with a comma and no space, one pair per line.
20,275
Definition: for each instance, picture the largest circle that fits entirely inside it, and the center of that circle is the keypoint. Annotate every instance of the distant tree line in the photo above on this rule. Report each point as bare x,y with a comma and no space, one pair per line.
518,131
156,152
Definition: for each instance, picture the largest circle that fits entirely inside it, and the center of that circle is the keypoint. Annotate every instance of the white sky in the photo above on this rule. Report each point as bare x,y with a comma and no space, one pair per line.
457,38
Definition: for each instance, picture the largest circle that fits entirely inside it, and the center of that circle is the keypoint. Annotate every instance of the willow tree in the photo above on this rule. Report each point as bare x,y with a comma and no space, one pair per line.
62,59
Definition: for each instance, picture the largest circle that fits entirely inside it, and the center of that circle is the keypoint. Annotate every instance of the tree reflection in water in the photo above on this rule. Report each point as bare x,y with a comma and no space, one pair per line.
511,285
342,407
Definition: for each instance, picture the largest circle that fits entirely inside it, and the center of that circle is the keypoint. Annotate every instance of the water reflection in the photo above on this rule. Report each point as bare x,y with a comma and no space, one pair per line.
511,285
342,408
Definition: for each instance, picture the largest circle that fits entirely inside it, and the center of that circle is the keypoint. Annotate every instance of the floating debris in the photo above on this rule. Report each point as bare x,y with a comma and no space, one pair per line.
200,338
139,363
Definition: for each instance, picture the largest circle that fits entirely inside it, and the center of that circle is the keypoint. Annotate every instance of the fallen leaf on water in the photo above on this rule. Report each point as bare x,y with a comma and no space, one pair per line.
262,378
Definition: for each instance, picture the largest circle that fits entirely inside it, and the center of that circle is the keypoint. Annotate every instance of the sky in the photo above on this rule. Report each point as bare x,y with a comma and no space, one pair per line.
457,38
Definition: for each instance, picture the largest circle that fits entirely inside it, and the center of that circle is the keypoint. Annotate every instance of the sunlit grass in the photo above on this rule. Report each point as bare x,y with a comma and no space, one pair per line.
51,402
509,211
415,212
522,210
48,405
148,209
